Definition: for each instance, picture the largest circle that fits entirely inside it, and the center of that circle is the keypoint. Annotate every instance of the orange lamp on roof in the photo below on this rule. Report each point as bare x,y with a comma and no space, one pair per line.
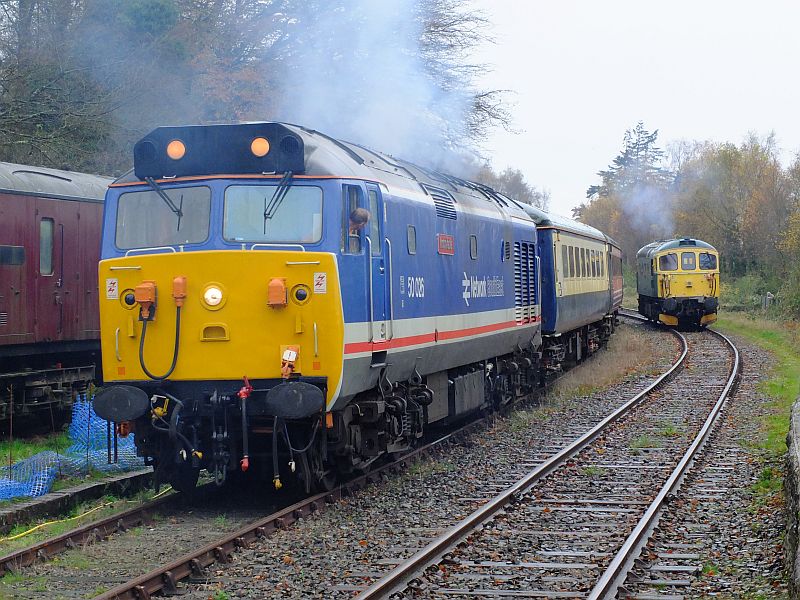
259,147
176,149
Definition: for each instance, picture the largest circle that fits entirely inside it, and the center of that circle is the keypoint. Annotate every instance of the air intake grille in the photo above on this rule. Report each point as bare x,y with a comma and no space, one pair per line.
3,318
524,282
443,200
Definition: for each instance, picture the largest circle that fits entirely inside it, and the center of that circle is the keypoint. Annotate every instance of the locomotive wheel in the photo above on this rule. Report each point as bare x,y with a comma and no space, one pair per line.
184,479
318,476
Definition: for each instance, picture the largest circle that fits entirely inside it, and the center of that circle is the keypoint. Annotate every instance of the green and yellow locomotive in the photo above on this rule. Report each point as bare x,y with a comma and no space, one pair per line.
678,282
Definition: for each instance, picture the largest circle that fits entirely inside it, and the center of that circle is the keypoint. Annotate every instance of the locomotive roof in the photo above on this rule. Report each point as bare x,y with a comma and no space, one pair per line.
51,183
654,248
546,219
321,156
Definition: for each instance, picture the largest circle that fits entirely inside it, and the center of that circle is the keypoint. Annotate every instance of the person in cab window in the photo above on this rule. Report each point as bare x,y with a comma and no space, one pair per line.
358,220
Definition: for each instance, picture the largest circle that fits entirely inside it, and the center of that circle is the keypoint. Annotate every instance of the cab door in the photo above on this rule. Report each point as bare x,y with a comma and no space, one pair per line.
378,248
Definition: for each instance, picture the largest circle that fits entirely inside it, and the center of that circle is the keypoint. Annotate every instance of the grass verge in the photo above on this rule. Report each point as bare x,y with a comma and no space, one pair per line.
630,351
783,383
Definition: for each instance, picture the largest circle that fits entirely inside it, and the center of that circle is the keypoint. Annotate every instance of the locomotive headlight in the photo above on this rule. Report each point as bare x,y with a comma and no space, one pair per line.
212,296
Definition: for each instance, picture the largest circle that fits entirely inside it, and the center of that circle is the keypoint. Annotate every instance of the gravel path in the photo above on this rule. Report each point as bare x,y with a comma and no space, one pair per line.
332,554
725,533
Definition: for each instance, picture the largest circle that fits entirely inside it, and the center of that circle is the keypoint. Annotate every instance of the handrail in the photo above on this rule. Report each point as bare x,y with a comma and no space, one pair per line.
150,249
302,248
390,277
369,288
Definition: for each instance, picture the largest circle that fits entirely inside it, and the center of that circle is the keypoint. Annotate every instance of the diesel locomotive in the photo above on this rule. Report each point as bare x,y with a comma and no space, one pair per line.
50,223
276,300
678,282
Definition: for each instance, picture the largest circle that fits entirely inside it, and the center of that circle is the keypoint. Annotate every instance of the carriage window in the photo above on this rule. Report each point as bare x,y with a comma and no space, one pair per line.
564,261
46,227
594,262
668,262
583,263
688,261
602,264
708,260
572,261
254,214
411,239
144,220
12,255
473,247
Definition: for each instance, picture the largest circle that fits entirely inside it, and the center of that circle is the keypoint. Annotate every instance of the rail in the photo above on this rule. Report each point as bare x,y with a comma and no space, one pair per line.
405,571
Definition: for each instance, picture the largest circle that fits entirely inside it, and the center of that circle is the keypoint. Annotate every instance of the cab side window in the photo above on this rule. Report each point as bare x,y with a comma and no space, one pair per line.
352,234
708,261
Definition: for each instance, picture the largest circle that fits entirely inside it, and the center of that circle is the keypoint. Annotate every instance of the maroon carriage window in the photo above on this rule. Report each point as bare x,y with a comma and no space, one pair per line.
46,229
12,255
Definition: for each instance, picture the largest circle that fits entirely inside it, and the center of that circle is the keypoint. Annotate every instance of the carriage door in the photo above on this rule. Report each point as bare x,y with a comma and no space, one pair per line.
378,265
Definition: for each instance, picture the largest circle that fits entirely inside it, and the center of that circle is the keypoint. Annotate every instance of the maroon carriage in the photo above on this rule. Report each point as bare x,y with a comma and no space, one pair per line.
50,223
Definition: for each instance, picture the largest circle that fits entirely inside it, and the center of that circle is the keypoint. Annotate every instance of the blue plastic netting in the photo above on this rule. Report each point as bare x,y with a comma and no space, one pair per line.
34,476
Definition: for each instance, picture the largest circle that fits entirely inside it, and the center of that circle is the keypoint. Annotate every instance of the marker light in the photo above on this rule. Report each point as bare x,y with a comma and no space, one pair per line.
212,296
259,147
176,149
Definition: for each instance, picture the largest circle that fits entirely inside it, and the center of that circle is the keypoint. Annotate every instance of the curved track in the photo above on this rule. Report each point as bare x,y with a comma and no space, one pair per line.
576,533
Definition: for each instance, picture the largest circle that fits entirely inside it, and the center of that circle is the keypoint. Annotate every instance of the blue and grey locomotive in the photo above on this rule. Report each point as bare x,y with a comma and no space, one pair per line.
271,293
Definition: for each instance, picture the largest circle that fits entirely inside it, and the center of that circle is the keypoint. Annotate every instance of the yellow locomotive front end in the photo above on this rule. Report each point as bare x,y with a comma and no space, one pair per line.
678,282
221,315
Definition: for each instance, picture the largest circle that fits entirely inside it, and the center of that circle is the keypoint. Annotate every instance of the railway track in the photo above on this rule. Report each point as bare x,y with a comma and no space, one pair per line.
577,533
194,564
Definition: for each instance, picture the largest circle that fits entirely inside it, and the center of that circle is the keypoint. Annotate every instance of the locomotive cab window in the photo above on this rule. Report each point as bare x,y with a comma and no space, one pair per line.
473,247
352,232
411,239
688,261
255,213
46,228
668,262
145,220
12,255
708,261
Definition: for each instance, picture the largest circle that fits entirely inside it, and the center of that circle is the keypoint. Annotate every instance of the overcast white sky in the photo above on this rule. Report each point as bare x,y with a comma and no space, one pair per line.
585,71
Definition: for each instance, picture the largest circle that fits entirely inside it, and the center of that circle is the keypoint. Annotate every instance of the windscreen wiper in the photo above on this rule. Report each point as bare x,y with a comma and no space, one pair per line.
271,207
178,210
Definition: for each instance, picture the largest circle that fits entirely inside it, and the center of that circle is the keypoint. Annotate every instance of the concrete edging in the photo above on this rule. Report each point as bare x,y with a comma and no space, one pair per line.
791,488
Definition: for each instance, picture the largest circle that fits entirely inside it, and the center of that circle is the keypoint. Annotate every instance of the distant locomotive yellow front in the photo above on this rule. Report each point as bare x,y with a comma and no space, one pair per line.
242,310
678,282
